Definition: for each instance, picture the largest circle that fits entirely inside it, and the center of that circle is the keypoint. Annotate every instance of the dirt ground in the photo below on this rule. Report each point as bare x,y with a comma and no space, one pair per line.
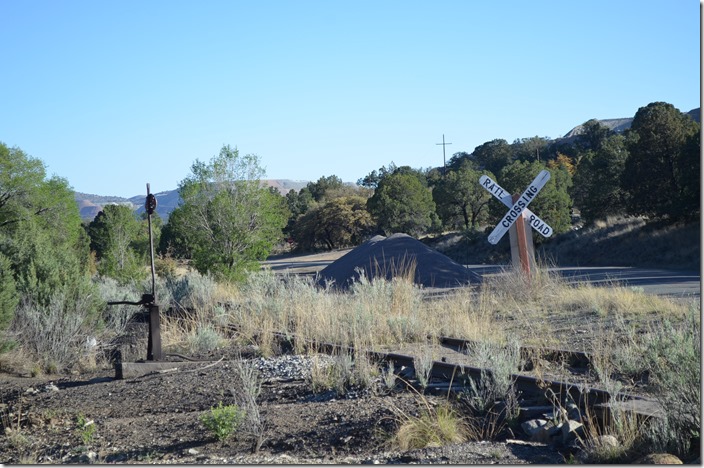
156,419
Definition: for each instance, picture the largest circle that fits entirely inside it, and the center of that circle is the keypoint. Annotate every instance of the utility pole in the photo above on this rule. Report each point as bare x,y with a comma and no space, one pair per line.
444,164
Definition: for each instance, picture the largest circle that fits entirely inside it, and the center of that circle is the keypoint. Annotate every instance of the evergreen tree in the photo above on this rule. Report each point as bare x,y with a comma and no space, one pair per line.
461,202
402,203
663,160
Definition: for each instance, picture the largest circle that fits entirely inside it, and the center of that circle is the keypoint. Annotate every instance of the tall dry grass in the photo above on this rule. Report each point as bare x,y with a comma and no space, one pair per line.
373,313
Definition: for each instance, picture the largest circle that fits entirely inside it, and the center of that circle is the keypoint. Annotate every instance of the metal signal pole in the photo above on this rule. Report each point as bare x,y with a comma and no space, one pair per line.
444,164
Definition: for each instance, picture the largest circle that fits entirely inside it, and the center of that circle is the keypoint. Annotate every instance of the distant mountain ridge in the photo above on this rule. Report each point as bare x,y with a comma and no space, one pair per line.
90,205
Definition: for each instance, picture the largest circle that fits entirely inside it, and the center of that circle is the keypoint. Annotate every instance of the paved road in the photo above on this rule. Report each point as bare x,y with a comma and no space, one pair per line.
653,281
672,283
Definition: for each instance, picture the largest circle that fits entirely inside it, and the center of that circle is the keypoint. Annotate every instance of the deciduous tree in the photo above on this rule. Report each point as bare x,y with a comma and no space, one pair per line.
41,235
115,236
227,221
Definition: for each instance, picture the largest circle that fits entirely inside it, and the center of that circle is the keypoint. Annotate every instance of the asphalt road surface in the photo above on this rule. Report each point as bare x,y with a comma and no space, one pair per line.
671,283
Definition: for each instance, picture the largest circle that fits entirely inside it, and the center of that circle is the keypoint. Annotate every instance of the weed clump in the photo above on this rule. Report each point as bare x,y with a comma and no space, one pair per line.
222,421
433,427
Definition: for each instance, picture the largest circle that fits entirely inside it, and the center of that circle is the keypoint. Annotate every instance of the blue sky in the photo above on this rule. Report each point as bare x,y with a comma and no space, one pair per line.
114,94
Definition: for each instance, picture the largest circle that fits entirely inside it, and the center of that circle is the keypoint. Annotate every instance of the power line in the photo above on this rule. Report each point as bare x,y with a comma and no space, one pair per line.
444,164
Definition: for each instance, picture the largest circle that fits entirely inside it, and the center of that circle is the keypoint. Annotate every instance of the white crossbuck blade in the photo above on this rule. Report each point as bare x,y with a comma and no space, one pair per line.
505,197
517,208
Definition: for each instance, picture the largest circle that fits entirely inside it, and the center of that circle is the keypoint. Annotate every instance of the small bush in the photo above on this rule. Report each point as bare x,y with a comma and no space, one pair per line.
117,316
423,364
194,291
85,429
222,421
496,383
165,266
204,339
335,373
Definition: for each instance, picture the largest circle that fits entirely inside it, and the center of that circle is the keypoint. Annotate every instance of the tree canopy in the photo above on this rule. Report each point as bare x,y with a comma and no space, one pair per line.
597,181
40,226
661,171
402,203
341,222
461,202
227,221
43,247
493,155
115,236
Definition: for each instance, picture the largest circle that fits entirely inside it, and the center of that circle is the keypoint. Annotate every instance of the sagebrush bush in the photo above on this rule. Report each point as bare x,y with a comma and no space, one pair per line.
204,339
497,381
245,391
193,291
116,317
55,334
675,354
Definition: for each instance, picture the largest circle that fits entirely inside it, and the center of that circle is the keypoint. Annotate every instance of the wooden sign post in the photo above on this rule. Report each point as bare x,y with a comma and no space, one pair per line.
522,251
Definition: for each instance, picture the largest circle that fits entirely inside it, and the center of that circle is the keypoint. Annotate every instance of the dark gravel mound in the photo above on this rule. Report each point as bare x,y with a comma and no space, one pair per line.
397,255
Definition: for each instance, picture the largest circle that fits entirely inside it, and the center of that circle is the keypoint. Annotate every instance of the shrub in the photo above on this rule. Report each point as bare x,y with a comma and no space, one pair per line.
116,317
165,266
496,383
8,298
55,334
193,291
675,353
222,421
204,339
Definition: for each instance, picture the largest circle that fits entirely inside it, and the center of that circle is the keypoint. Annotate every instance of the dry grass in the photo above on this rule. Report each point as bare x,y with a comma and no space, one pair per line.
625,427
536,313
432,427
542,312
374,313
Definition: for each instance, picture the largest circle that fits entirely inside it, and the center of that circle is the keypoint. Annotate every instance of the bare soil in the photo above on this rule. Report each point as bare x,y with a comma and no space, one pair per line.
156,419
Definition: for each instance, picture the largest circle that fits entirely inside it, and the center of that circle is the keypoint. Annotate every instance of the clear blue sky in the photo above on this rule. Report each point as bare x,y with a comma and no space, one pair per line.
114,94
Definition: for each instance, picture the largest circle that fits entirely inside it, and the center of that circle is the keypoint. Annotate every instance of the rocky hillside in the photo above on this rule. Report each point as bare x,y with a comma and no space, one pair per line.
620,125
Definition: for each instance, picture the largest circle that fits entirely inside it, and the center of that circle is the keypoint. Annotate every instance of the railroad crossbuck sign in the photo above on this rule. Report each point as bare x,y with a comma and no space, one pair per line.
519,208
